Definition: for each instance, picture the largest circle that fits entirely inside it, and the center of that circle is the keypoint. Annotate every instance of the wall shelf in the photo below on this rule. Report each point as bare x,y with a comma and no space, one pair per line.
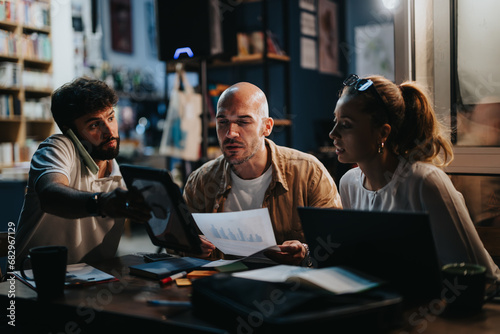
267,69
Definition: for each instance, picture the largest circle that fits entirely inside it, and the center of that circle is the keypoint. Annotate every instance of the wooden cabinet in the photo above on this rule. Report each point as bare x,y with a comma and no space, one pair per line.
25,79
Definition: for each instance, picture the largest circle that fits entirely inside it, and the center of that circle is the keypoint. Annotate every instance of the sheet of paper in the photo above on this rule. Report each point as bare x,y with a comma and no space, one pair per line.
241,233
308,56
335,279
258,257
219,263
308,24
279,273
76,274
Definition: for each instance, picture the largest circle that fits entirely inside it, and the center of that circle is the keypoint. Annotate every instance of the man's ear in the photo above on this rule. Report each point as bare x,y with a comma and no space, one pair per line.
268,126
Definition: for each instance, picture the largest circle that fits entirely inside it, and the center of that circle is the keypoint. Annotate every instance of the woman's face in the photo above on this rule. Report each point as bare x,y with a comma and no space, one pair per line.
355,138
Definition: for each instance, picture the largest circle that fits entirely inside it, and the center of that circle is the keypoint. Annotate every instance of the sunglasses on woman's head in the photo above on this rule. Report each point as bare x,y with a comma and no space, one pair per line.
363,85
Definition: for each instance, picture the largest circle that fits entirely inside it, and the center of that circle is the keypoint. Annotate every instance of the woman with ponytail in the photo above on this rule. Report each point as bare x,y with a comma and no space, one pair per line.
391,132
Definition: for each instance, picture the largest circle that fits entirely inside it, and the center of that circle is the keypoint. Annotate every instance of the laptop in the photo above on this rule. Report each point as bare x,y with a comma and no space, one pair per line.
397,247
171,225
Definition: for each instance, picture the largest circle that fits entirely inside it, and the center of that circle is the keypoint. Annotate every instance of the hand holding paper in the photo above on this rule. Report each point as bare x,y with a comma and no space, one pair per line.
241,233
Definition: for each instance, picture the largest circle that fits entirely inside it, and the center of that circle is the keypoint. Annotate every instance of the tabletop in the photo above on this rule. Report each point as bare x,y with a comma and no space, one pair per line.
122,304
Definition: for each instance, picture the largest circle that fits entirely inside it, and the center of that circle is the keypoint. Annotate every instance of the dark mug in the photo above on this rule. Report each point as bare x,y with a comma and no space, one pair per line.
48,264
465,285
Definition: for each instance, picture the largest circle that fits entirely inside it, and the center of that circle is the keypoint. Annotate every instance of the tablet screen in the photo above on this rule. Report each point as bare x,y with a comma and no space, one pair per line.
171,224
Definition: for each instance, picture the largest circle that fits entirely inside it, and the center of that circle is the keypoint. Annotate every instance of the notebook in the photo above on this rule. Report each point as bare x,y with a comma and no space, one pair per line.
396,247
162,269
171,225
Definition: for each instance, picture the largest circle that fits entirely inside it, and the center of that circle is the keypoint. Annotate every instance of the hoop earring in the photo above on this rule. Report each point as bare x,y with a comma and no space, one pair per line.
381,148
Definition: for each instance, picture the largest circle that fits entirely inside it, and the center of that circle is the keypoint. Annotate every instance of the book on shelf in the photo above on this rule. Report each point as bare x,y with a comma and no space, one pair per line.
243,43
9,43
8,10
37,108
9,106
37,79
34,13
253,43
6,154
9,74
37,46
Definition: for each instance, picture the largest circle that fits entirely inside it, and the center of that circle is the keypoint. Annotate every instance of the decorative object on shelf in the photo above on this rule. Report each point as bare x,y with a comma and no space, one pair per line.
182,129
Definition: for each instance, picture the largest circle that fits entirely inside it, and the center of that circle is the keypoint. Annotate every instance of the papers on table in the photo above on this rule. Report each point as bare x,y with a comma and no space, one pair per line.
334,279
76,274
241,233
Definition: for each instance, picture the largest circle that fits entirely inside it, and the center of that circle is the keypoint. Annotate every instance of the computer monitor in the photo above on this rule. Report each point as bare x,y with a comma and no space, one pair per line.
397,247
171,225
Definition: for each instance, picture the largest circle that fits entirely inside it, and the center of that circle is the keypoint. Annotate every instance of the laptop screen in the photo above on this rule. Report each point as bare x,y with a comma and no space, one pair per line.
171,224
397,247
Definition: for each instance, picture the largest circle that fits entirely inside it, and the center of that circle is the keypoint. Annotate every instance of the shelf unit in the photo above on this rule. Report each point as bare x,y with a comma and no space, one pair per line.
235,64
273,69
25,79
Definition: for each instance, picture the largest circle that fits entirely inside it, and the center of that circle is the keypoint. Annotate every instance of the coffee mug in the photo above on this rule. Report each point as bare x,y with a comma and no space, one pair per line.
48,264
464,286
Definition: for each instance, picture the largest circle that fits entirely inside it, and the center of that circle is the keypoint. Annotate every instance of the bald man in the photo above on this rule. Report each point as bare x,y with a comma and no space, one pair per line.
253,172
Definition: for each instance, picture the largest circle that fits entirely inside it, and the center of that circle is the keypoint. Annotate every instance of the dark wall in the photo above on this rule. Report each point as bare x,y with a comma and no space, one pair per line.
313,94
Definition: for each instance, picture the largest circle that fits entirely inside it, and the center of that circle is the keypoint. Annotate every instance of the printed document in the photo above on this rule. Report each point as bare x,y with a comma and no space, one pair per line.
240,233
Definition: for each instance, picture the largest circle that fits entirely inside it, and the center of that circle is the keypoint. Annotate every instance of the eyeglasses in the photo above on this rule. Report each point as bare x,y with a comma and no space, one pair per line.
363,85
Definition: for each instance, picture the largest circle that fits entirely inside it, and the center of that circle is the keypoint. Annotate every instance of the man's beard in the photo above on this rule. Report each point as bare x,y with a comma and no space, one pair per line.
100,153
238,161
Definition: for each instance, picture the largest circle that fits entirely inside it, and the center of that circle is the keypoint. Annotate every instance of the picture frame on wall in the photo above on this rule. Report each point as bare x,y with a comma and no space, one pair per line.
150,20
328,38
121,26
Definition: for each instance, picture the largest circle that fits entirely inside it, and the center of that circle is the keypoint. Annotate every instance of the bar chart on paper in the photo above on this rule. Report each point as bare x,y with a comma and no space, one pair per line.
237,233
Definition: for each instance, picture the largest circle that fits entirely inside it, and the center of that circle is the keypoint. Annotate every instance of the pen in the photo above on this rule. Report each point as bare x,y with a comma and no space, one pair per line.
173,277
169,303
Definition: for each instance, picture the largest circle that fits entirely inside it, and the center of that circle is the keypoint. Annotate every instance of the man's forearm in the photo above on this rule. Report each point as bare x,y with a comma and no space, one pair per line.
64,201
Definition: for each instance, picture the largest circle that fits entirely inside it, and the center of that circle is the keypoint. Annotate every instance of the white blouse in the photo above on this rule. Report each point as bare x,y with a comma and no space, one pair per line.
423,187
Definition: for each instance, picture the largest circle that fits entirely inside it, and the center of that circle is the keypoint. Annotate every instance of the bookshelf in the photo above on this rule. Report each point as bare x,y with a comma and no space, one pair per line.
246,57
25,79
261,33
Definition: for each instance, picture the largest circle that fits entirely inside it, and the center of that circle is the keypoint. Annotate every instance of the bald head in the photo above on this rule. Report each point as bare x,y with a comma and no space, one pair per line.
246,93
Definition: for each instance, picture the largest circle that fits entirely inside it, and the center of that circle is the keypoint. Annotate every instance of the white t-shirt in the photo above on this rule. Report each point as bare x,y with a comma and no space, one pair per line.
87,239
423,187
247,194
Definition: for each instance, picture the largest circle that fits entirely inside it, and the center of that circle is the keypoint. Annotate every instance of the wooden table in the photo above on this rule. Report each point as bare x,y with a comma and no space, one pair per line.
112,307
121,306
431,319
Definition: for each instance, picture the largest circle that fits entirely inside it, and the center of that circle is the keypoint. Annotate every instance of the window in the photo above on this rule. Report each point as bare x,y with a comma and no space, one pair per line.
450,47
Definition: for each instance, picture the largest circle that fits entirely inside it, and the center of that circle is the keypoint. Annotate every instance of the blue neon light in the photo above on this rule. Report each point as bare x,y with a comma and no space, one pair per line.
180,51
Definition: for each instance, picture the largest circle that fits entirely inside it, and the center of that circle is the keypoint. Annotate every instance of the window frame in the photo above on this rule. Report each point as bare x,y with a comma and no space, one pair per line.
441,78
